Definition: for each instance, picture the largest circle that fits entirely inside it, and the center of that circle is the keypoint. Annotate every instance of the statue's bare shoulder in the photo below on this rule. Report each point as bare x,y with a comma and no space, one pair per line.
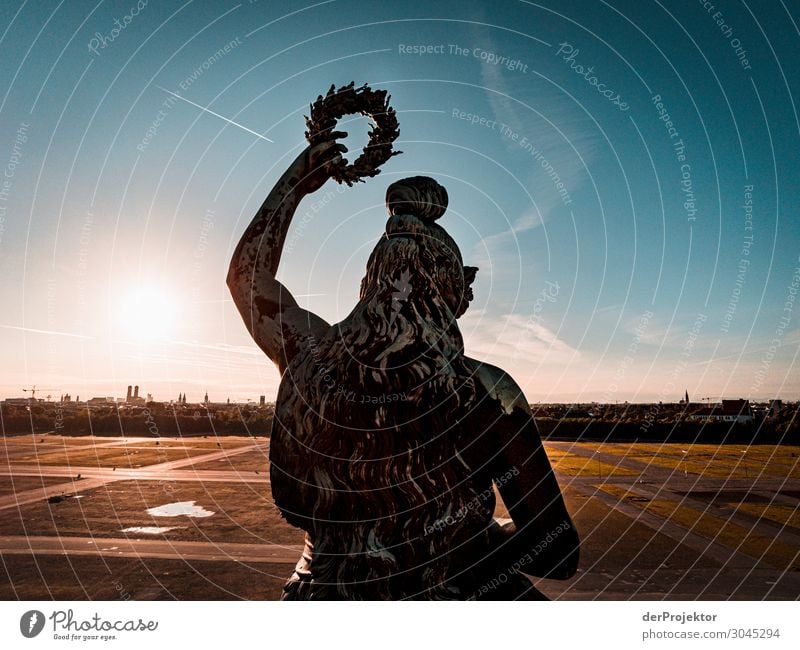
500,386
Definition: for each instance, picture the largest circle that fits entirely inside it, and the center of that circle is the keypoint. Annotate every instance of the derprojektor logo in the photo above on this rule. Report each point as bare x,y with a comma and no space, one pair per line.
31,623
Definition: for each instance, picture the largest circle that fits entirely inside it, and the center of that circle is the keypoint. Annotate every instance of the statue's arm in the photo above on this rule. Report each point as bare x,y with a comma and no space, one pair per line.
276,322
542,540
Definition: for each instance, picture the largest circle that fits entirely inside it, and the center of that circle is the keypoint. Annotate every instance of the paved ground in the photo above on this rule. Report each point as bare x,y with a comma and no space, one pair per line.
657,521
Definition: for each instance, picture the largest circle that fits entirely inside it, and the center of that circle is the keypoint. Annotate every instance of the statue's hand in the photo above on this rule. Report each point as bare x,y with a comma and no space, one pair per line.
317,163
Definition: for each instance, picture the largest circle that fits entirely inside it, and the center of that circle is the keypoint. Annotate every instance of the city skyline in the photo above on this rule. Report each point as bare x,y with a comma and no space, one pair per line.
623,180
71,396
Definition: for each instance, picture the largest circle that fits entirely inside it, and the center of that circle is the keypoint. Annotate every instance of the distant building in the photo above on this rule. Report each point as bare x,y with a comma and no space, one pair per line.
134,399
731,410
18,401
775,407
100,401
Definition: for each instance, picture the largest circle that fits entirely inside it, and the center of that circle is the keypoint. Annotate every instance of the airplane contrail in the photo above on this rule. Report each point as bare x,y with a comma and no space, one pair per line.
35,331
203,108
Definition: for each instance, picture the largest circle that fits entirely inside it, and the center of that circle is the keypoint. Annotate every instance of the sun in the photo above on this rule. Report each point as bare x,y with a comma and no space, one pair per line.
147,315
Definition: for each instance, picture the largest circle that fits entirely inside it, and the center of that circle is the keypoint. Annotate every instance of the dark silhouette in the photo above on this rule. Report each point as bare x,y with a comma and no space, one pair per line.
387,440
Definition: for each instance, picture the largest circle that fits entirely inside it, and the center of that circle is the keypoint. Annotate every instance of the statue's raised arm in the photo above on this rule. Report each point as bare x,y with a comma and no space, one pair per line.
276,322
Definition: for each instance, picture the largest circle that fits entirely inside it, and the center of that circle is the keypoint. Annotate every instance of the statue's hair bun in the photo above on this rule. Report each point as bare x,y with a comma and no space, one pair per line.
420,196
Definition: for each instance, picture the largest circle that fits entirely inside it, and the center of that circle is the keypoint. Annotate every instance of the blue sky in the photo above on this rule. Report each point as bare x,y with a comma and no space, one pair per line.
642,274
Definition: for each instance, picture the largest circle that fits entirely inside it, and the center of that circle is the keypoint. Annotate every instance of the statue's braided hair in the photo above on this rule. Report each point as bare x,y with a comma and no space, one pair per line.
365,448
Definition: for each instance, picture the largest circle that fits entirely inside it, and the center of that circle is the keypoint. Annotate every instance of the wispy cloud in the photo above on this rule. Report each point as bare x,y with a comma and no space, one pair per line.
514,339
544,132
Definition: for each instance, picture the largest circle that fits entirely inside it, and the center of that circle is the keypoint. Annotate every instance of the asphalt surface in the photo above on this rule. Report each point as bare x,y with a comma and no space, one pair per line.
653,525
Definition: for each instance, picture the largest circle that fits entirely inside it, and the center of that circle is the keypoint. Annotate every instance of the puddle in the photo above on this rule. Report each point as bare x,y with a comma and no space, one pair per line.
148,530
179,508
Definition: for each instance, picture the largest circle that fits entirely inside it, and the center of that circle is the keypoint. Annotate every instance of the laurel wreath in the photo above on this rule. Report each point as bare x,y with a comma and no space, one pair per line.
348,100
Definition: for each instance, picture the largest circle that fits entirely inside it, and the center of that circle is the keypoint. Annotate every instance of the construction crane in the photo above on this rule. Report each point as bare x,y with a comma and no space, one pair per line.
33,390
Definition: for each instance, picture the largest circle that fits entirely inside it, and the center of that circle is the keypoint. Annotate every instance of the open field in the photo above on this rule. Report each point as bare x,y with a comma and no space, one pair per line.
671,521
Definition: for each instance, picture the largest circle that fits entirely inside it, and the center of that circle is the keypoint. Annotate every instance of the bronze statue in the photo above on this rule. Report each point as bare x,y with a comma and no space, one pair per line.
387,439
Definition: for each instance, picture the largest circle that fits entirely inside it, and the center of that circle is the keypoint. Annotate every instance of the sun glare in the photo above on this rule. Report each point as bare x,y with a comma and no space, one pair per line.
147,315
